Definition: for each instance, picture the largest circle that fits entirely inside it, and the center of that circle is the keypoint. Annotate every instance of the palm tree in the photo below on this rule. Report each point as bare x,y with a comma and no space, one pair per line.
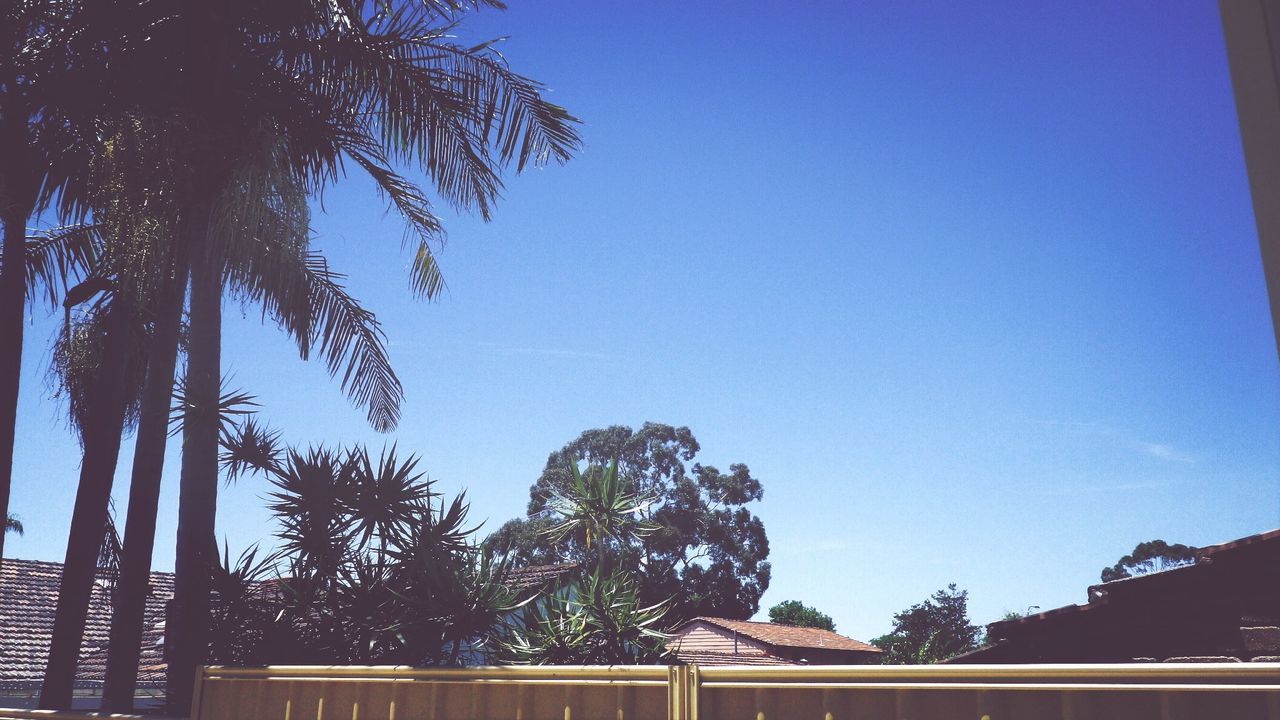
601,505
378,570
36,53
341,80
370,83
134,253
12,524
298,290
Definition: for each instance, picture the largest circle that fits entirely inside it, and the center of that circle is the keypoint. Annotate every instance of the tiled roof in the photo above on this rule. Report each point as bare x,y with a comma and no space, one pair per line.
28,597
1212,550
537,575
714,658
1097,594
789,636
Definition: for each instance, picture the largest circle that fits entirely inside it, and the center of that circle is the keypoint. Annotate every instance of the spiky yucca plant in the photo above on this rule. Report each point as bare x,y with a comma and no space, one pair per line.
372,567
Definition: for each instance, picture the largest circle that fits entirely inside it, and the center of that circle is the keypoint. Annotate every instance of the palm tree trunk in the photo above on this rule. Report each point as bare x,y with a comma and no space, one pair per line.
13,280
17,203
129,603
101,438
187,635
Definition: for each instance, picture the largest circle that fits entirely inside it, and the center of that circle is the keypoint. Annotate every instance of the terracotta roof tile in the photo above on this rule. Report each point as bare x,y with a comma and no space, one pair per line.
1211,550
28,596
537,575
789,636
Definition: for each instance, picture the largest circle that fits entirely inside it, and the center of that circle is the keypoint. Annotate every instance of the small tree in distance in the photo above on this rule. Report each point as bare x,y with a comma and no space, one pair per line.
931,631
1149,557
797,614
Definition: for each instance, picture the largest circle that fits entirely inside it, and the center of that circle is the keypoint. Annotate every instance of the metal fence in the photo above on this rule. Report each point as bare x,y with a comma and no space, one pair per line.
389,693
1158,691
1237,691
1242,691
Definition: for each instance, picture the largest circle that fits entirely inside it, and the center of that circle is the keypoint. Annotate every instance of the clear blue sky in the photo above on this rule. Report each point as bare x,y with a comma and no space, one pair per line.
974,291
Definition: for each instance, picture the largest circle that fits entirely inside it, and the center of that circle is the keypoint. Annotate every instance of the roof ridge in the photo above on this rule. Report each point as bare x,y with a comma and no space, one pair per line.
11,561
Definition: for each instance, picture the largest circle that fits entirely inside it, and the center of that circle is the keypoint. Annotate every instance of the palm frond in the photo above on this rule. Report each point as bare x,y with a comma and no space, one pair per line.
248,447
111,550
353,346
78,356
58,258
386,495
230,405
425,278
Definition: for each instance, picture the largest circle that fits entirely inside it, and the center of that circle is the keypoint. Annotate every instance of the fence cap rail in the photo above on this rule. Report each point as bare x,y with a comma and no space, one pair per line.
999,687
618,672
1208,672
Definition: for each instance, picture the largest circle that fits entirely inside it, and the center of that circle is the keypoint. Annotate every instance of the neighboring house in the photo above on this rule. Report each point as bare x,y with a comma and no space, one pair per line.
719,641
1225,606
29,596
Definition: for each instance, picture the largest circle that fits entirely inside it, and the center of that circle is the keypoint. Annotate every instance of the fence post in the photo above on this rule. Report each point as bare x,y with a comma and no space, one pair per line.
695,689
678,705
196,690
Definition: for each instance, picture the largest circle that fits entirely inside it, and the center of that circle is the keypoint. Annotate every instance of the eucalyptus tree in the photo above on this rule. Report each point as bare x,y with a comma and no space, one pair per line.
710,551
599,618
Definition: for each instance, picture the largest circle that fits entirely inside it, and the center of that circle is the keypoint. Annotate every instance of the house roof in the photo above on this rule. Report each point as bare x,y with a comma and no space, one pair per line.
28,597
537,575
1098,595
789,636
1212,550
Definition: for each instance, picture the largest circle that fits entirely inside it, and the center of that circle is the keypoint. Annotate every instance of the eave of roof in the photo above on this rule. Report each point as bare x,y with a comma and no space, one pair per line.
706,658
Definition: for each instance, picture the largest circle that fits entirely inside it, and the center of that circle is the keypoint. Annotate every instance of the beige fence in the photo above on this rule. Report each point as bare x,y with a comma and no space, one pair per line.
388,693
1237,691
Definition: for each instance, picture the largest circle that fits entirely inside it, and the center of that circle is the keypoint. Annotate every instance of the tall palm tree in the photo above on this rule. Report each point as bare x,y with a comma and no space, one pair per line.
344,80
29,54
51,99
127,272
365,82
296,288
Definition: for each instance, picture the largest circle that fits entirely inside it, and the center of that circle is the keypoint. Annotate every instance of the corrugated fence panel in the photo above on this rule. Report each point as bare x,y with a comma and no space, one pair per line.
347,693
1237,691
